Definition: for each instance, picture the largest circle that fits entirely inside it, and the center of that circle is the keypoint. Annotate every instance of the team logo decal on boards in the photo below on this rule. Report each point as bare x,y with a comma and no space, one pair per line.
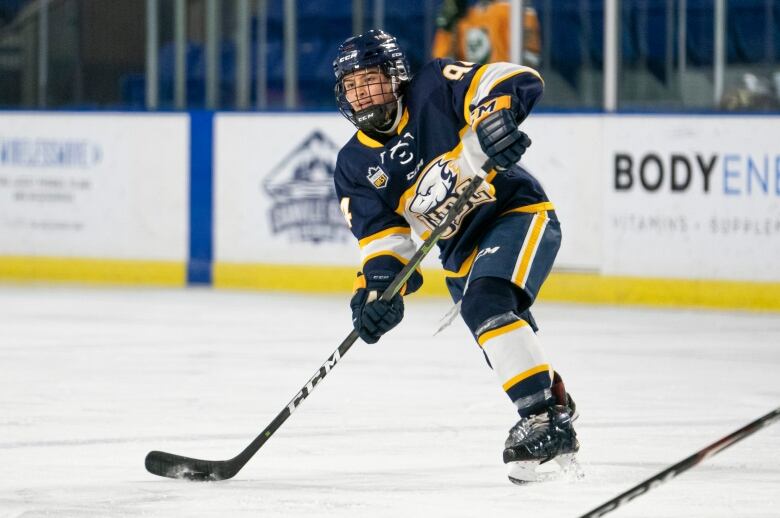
377,177
437,189
304,205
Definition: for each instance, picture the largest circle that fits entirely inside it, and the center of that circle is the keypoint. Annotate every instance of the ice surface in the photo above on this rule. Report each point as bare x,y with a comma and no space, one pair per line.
92,379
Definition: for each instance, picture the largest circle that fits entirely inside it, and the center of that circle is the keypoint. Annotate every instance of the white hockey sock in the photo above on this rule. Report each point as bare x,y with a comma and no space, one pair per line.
517,359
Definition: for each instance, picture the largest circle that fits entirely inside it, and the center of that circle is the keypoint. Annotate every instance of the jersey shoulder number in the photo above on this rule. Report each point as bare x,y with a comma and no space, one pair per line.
457,70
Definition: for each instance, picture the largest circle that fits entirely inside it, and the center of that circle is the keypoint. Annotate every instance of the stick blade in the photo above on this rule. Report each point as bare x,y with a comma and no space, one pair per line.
169,465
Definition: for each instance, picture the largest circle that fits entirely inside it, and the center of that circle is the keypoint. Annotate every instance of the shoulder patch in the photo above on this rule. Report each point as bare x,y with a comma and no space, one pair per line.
377,177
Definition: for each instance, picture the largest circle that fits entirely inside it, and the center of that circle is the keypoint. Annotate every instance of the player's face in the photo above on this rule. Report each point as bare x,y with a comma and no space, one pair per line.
366,88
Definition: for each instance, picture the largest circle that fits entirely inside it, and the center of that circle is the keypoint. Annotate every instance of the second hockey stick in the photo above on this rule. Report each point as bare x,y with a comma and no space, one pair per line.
176,466
684,465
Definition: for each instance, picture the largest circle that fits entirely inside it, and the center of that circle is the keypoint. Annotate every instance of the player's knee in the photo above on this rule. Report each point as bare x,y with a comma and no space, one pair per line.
490,297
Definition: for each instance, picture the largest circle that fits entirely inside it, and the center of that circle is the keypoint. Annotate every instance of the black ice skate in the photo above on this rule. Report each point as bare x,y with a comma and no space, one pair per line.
536,440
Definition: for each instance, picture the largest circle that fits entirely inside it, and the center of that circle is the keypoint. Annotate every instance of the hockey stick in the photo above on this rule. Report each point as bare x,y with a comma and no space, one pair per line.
684,465
176,466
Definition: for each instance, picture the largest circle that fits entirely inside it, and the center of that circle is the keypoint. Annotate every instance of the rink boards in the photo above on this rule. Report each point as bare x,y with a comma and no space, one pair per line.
681,210
94,197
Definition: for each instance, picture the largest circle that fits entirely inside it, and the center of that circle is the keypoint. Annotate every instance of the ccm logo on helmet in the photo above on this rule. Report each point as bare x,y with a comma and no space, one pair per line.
349,56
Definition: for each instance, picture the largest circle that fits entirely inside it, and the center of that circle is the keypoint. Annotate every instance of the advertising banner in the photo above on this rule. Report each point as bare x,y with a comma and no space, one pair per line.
275,201
565,155
692,197
94,185
274,198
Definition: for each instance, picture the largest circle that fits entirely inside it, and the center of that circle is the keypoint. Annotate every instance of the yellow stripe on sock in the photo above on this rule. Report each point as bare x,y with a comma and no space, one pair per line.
525,375
484,337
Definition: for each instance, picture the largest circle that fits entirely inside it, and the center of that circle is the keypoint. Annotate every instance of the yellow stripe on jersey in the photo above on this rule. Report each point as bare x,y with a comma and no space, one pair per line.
503,102
370,142
493,333
471,91
408,193
525,375
536,207
384,233
404,121
366,140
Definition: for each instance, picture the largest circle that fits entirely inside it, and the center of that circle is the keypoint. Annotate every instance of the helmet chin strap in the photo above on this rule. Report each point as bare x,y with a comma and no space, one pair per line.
398,114
366,118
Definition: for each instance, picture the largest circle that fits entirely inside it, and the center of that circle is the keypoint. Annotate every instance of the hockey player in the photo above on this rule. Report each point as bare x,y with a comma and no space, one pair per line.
419,142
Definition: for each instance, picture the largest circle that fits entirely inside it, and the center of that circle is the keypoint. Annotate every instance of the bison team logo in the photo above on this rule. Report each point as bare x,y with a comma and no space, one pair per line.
304,199
436,183
437,189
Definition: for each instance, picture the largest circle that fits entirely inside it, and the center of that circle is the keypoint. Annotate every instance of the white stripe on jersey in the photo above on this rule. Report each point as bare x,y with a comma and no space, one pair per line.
394,244
495,72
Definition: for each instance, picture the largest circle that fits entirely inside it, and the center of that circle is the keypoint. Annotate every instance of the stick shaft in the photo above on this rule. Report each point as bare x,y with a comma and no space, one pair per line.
287,411
684,465
389,293
395,286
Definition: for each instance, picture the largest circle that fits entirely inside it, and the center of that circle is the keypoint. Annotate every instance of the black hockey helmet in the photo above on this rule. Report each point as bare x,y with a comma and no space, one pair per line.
374,48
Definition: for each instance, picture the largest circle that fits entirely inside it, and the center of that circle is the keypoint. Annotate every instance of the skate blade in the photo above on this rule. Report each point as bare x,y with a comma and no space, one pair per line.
564,466
570,467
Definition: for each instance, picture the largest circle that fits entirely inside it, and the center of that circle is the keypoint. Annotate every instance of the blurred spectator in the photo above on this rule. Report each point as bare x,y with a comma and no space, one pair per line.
479,32
753,93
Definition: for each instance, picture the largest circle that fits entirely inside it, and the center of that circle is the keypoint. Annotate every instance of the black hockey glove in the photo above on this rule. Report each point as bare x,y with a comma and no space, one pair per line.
372,317
501,139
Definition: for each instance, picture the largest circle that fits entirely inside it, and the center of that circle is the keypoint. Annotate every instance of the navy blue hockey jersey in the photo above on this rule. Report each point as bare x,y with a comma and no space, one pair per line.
407,184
